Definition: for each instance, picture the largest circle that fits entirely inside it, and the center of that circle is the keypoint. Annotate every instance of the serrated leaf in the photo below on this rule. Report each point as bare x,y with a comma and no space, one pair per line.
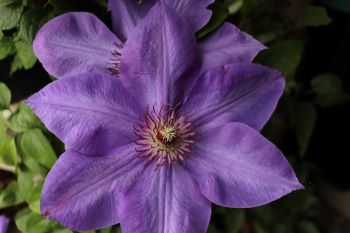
10,13
5,96
329,90
315,16
23,119
10,196
8,152
284,55
7,47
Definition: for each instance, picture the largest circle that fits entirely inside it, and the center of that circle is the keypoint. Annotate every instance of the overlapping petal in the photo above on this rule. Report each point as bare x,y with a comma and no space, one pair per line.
243,92
81,192
236,167
195,12
126,14
160,52
91,112
74,43
164,201
228,45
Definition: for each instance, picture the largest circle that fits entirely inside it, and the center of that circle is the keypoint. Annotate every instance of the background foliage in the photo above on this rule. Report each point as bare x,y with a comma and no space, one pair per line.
28,150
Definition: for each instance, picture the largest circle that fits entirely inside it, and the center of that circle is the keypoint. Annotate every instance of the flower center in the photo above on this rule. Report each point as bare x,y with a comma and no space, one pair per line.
164,136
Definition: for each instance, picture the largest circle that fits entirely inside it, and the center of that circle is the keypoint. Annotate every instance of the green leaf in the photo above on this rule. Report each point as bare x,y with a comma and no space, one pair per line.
10,13
25,54
29,222
31,22
7,47
303,117
34,144
220,13
30,185
307,227
234,6
8,152
106,230
2,128
24,119
284,55
10,196
329,90
5,96
15,65
315,16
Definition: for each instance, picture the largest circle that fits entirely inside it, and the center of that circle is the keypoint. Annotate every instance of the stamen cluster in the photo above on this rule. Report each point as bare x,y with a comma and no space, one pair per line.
165,136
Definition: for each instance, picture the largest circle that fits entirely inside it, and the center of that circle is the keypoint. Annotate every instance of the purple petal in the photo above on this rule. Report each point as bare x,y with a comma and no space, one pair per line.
126,14
164,201
246,93
91,113
194,11
74,43
236,167
81,192
229,45
160,52
4,222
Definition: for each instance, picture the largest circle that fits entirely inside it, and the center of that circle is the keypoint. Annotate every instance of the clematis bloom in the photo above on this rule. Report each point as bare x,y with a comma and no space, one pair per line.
4,222
153,149
79,42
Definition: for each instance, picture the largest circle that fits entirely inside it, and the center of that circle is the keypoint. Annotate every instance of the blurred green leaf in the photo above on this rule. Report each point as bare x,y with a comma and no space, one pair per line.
2,128
29,222
220,13
15,65
24,119
34,144
25,54
315,16
8,152
5,96
307,227
329,90
30,185
10,196
106,230
234,6
284,55
7,47
10,13
31,22
303,117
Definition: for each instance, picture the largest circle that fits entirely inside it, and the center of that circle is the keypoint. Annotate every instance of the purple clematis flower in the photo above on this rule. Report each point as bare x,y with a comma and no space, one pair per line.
153,149
4,222
79,42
